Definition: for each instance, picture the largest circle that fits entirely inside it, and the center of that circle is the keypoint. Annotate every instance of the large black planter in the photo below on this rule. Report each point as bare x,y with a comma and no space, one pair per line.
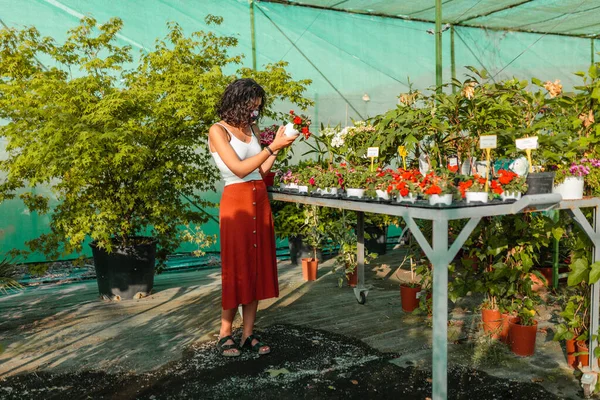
378,239
126,271
299,250
540,183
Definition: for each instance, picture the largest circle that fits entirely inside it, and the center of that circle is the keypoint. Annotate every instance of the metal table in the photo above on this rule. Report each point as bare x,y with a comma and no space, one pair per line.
440,255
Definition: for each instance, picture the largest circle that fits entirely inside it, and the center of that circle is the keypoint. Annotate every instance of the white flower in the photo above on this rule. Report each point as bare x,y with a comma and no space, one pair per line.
338,140
329,132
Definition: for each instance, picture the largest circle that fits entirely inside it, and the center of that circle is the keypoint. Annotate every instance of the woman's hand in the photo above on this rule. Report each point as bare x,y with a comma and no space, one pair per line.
281,140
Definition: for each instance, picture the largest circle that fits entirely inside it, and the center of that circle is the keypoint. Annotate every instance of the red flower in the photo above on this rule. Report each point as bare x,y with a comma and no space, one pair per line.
312,181
453,168
390,188
291,112
297,120
505,179
404,192
498,190
434,189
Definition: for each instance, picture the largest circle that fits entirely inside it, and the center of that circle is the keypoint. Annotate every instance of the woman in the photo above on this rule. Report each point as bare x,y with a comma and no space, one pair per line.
248,262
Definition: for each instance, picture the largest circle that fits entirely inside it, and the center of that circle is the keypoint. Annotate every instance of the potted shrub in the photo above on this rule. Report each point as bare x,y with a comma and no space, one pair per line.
124,152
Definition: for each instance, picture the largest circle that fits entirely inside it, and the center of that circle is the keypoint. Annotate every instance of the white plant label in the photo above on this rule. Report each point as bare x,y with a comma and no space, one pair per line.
527,143
373,152
488,142
452,161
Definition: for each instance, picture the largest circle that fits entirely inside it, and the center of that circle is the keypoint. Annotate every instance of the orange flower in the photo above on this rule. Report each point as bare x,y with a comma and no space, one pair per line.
404,192
434,189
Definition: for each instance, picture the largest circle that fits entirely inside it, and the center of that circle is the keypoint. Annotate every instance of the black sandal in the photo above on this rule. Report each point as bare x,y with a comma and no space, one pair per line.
256,348
224,347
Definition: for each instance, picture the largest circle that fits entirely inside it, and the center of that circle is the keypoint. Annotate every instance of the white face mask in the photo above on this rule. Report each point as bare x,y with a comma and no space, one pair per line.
254,115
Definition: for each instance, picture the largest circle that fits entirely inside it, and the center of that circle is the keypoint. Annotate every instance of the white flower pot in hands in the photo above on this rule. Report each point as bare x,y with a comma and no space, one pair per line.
290,131
477,197
571,188
440,199
510,196
382,194
353,192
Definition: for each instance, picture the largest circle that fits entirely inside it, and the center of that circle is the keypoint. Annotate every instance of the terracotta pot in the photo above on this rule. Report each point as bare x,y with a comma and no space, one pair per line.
547,272
309,269
492,322
505,328
537,284
352,278
269,178
571,359
522,338
408,295
582,359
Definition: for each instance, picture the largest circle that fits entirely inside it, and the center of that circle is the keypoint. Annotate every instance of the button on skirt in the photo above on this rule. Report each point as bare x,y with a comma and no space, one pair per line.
248,261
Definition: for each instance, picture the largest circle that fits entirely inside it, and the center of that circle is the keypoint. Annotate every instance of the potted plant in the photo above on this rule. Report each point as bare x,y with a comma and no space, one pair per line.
126,156
382,183
438,189
405,185
328,181
409,291
569,182
523,329
314,233
472,188
298,123
573,329
356,181
509,185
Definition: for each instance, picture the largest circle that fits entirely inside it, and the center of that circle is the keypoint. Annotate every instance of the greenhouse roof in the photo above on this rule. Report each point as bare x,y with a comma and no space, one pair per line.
558,17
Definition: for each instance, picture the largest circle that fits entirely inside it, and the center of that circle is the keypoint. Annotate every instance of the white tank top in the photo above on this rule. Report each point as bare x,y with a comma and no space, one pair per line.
244,151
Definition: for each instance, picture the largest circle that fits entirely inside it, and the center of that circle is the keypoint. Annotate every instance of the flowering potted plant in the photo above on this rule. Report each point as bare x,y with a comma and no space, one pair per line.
509,185
568,182
356,181
472,189
382,183
405,185
438,189
305,178
298,123
288,179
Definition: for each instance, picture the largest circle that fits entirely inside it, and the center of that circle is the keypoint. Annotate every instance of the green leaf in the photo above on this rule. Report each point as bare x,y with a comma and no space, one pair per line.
557,233
595,272
579,272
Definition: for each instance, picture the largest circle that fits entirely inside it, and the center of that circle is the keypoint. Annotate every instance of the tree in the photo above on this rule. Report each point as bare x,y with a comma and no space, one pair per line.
119,148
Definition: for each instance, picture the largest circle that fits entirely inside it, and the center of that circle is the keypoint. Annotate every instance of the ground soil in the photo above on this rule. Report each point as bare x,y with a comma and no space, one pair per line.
304,363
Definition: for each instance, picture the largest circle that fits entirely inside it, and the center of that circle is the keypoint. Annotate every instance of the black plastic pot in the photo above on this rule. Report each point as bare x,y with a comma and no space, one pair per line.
299,250
540,183
378,239
125,271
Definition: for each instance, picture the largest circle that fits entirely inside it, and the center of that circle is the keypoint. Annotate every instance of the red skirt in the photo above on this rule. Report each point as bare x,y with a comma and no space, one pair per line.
248,261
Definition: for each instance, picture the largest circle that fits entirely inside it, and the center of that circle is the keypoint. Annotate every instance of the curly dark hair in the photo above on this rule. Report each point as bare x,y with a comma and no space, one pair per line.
237,102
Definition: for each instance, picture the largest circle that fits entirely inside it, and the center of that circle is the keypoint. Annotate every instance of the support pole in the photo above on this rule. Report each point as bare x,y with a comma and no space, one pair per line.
592,45
440,309
452,58
252,34
595,295
438,45
360,248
